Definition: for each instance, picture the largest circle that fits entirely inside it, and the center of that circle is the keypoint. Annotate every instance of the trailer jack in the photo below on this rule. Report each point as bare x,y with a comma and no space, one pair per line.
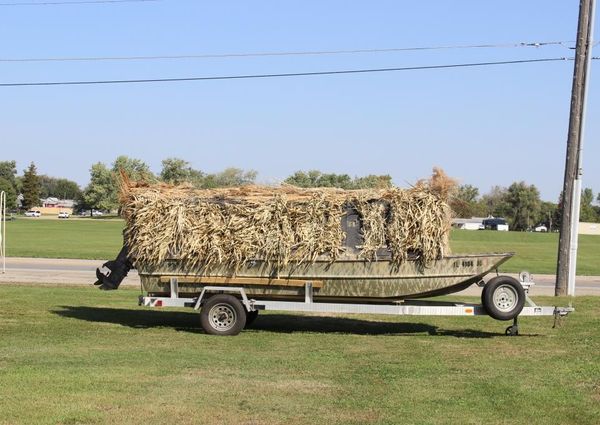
112,273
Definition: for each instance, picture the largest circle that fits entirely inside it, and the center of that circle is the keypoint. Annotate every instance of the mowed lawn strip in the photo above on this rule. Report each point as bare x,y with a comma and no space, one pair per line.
536,252
79,355
102,239
72,238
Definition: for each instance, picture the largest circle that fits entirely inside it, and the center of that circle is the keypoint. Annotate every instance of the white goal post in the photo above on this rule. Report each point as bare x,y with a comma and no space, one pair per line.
3,230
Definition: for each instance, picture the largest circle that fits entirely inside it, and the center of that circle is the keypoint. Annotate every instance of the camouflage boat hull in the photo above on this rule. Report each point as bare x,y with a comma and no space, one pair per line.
345,279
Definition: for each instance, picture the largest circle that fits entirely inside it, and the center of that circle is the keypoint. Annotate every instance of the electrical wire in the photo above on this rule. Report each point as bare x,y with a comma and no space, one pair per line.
55,3
282,75
288,53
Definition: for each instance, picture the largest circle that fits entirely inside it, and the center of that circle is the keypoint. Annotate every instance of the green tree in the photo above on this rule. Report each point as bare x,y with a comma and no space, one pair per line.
315,178
548,215
8,171
59,188
101,192
230,177
31,187
524,203
596,209
557,218
304,179
494,203
67,189
465,202
19,184
343,181
176,171
467,193
11,194
136,169
587,212
81,204
373,181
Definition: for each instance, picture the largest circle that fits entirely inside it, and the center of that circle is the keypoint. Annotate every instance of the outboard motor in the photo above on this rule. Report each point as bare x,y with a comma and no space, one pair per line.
112,273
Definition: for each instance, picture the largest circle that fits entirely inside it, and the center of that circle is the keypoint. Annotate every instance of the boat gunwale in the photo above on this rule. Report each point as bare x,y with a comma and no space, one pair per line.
362,260
503,258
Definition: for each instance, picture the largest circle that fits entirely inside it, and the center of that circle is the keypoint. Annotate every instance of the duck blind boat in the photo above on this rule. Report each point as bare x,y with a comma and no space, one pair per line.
372,246
343,280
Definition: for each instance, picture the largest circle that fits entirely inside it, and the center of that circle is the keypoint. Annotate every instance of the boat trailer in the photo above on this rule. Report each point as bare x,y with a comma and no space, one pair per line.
226,310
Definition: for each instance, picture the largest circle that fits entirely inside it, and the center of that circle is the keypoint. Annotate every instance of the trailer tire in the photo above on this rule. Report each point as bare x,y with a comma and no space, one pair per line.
251,317
503,298
223,315
483,291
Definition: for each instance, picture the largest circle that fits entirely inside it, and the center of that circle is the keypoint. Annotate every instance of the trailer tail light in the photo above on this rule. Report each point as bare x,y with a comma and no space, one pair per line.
158,303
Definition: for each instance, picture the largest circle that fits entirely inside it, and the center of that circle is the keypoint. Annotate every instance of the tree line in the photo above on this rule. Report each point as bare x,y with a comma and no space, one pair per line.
520,203
32,186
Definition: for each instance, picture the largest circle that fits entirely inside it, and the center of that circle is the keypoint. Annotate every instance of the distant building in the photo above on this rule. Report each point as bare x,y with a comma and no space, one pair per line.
53,205
473,223
495,223
589,228
57,203
480,223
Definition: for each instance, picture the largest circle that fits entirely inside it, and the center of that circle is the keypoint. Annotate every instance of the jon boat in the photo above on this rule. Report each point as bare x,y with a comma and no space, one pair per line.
347,279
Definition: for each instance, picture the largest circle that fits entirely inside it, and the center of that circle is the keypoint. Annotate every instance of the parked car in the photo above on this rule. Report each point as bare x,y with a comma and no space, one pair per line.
540,228
63,214
94,213
33,213
495,224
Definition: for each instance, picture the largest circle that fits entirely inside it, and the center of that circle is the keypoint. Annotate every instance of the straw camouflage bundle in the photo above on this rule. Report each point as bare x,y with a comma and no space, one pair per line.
280,225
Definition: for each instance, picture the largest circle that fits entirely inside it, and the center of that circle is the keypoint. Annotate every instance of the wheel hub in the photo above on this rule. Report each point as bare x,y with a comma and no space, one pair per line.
222,317
505,298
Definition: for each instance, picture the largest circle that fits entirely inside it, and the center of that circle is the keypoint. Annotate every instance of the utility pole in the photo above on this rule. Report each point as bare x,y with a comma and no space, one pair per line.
571,195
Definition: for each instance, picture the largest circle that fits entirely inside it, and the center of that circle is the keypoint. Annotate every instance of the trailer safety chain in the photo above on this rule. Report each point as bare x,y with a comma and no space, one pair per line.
557,320
559,313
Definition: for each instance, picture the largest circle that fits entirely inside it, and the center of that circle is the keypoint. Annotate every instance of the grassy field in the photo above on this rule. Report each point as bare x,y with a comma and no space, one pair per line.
102,239
73,238
82,356
536,252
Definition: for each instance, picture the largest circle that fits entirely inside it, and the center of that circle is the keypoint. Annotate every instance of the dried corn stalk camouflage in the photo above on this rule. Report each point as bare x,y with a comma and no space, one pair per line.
280,225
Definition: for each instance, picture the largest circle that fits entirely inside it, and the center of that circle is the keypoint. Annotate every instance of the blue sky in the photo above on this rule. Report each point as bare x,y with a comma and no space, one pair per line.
485,126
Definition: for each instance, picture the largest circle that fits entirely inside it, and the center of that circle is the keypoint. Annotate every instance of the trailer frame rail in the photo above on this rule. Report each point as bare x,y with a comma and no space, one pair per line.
410,307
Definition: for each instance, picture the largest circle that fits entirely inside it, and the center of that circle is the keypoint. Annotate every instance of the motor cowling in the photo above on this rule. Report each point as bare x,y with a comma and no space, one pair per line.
112,273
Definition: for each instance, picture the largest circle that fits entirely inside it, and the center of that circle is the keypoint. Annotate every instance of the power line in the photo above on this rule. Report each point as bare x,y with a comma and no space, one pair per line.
288,53
55,3
292,74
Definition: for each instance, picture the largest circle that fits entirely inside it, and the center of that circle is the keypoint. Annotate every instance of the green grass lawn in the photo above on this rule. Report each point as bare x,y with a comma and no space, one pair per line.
102,239
536,252
82,356
73,238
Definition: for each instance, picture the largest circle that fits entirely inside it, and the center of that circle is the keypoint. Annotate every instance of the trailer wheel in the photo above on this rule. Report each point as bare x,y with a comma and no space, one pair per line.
223,315
503,298
483,291
251,317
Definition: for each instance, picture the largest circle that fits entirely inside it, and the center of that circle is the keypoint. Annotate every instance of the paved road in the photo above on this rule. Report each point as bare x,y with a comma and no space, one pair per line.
56,271
82,272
